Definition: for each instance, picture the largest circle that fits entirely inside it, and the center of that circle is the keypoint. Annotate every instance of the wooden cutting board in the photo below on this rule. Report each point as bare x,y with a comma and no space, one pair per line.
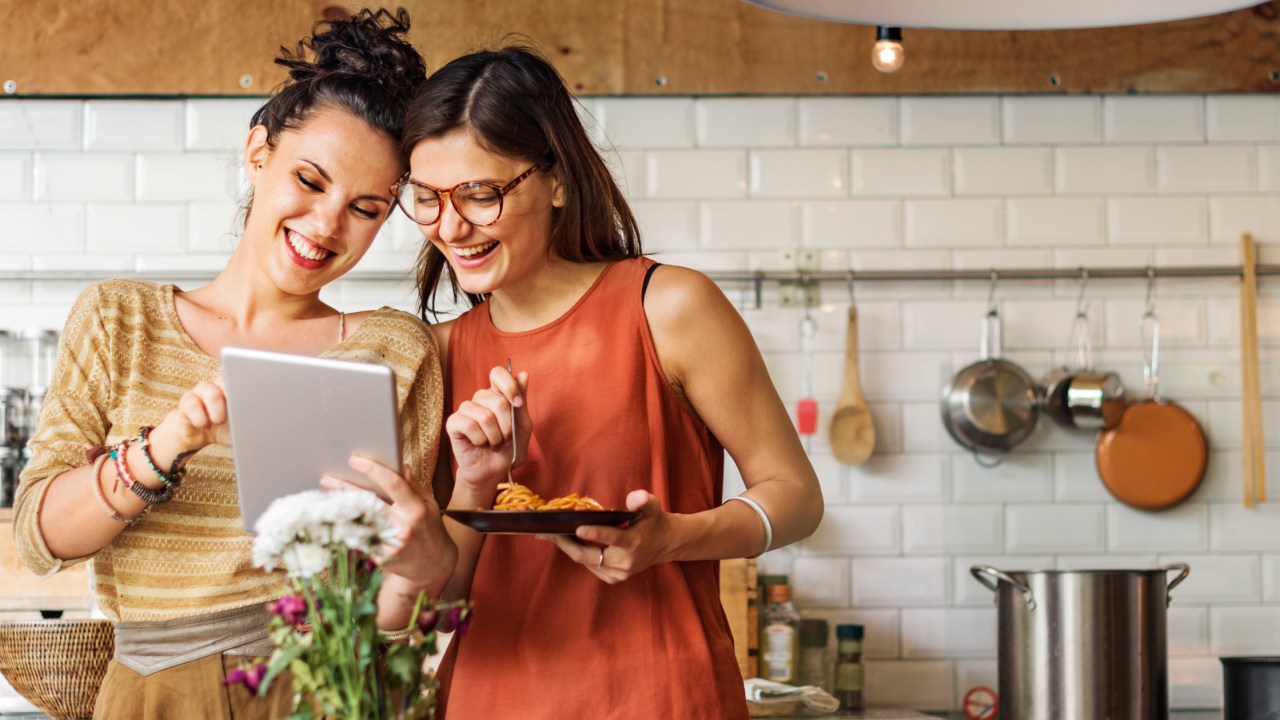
738,596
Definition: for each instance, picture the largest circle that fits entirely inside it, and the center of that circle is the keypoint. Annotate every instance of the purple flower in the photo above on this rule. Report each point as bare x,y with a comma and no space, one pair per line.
365,561
293,608
427,620
251,678
461,617
456,620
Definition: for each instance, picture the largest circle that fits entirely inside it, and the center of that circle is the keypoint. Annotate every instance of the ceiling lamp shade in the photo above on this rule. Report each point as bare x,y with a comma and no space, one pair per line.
1002,14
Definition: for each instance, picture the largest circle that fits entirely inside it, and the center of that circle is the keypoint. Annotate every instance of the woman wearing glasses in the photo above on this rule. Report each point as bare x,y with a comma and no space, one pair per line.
137,370
631,380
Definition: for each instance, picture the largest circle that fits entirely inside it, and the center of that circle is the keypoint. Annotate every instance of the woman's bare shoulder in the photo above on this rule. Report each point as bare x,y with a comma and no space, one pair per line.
677,295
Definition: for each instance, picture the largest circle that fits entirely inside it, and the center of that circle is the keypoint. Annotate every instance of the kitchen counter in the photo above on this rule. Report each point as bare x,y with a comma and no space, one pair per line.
910,714
1173,715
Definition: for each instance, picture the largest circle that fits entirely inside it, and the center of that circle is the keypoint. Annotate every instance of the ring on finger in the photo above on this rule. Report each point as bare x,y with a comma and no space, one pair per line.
600,562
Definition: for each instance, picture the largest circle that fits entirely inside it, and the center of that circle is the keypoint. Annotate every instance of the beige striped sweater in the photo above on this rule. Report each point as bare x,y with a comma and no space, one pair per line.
123,361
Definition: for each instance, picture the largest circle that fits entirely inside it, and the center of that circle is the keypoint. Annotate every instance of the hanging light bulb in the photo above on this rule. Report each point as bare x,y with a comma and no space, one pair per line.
887,54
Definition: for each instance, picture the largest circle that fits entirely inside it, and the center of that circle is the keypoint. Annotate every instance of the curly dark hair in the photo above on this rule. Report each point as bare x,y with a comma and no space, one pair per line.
361,64
516,104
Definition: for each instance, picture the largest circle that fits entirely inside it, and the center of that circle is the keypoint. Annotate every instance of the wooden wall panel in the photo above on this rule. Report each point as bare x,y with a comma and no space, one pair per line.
637,47
730,47
145,47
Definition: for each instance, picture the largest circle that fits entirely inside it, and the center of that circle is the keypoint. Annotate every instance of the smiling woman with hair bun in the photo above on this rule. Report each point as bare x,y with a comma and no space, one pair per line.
130,465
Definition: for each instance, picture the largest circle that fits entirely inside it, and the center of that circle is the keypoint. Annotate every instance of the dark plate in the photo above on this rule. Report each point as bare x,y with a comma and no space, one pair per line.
538,522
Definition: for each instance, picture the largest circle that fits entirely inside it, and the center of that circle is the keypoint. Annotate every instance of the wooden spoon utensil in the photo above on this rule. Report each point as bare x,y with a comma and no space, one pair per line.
852,432
1255,474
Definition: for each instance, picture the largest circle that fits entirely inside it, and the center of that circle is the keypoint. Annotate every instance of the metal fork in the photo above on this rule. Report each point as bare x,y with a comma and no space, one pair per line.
513,434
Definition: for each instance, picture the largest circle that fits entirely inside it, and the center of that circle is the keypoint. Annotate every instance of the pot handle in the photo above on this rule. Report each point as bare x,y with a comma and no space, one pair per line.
992,336
981,573
994,462
1186,570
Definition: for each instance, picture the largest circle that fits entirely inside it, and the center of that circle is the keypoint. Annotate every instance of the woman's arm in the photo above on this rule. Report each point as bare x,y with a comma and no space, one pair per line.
713,364
479,435
477,438
59,518
72,520
426,555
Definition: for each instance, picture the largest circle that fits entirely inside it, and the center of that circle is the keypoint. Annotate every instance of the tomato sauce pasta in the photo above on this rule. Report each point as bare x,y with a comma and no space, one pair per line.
514,496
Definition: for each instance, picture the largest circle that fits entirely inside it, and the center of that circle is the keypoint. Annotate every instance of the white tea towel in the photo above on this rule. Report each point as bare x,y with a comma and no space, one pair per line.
766,694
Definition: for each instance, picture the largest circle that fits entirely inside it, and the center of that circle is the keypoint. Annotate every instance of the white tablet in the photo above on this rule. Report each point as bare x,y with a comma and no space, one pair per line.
296,418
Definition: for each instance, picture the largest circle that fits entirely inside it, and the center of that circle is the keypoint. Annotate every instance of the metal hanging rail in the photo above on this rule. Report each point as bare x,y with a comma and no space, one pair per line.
803,279
806,280
1109,273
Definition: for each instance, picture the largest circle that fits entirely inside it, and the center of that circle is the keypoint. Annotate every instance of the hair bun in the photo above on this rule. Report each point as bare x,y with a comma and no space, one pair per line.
362,65
369,45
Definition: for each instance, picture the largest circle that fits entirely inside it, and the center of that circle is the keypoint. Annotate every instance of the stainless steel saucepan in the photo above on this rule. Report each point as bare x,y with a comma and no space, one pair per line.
1084,397
991,405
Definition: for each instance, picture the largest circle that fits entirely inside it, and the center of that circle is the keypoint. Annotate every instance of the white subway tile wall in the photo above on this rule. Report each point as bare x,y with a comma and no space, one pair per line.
1243,118
745,122
1051,120
1110,169
133,125
1002,171
1153,118
836,183
42,125
1269,167
848,121
15,177
950,121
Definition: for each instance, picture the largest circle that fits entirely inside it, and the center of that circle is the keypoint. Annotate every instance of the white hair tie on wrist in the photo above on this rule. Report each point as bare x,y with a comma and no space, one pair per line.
764,518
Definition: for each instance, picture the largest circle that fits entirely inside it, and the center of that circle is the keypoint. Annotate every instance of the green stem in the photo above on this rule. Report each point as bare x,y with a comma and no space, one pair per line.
350,659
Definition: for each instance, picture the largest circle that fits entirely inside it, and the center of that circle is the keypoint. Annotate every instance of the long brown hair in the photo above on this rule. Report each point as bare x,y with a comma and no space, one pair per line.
516,104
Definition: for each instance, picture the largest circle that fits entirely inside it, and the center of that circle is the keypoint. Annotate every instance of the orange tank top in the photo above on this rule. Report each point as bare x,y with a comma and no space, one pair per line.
549,640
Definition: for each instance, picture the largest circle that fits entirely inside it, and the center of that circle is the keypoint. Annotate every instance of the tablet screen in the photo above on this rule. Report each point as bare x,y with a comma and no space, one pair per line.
296,418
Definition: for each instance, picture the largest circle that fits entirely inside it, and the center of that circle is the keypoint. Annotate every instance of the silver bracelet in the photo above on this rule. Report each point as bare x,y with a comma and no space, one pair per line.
764,518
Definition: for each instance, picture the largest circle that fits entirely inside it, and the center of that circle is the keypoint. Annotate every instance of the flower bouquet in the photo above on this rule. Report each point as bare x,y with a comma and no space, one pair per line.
325,631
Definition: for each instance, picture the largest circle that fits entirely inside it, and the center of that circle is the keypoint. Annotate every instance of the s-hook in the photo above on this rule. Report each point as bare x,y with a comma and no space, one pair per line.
1150,310
1079,339
1151,357
1082,307
991,294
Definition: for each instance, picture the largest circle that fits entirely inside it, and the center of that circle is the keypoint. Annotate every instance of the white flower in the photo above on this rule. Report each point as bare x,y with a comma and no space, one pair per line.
306,560
298,529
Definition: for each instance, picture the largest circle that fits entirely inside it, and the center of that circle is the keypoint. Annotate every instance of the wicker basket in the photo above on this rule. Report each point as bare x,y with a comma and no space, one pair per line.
57,665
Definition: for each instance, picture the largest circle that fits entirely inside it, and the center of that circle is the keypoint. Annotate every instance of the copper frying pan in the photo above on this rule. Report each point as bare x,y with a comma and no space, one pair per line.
1156,456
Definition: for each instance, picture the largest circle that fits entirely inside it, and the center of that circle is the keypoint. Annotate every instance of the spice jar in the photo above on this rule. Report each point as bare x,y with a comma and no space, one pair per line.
814,666
849,678
781,639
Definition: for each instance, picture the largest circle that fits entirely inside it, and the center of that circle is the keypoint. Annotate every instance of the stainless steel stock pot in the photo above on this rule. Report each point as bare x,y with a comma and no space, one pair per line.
1082,644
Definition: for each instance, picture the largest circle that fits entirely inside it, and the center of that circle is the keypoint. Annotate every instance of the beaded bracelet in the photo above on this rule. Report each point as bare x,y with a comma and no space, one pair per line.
146,494
96,483
171,479
122,468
